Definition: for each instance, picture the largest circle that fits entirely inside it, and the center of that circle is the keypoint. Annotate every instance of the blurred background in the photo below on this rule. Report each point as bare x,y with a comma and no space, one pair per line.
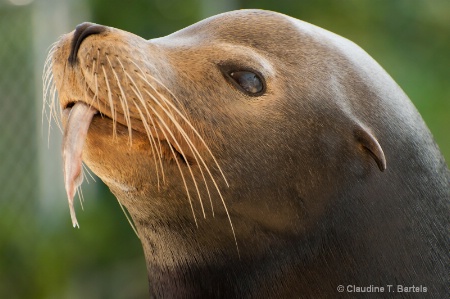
41,255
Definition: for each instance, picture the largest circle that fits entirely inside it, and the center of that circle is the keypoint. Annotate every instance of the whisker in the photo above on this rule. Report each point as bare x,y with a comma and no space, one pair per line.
94,75
53,115
80,196
47,80
184,135
190,145
151,139
187,139
141,98
159,83
193,149
94,66
49,91
48,67
111,104
218,190
179,167
181,115
177,162
123,102
114,119
129,219
85,168
157,150
54,107
47,84
48,60
204,143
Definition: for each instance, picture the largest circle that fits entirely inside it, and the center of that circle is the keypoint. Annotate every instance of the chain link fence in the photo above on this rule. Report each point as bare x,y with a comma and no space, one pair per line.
18,144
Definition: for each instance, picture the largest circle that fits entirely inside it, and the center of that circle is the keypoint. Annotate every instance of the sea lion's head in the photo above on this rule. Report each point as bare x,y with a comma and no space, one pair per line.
240,116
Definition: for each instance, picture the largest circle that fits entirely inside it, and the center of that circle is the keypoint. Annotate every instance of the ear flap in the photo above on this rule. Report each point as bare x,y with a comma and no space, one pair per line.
370,143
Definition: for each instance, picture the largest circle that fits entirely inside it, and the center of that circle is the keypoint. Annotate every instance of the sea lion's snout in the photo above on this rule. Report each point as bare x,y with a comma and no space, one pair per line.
82,31
115,93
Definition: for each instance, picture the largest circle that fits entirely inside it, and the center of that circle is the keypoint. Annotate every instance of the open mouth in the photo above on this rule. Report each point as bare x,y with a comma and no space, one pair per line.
78,117
120,119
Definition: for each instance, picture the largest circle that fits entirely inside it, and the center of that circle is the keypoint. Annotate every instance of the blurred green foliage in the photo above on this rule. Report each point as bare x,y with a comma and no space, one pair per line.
42,256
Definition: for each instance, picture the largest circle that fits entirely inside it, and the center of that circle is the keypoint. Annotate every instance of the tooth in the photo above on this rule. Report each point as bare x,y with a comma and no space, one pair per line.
75,132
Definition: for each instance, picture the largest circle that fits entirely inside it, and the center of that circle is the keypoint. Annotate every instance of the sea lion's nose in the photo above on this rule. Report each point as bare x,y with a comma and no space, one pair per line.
82,31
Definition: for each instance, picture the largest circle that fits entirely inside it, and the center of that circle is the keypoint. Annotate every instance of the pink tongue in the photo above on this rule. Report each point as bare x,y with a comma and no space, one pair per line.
77,126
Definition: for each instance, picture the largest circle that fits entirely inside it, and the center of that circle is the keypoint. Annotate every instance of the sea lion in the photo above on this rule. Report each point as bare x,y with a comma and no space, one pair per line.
258,156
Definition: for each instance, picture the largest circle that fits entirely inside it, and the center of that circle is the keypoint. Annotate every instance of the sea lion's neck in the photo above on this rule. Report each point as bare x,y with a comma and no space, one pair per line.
202,258
181,265
191,270
185,260
189,273
189,261
181,279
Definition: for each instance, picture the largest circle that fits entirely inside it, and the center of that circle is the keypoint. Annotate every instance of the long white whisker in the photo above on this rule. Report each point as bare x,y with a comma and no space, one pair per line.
53,107
48,60
186,137
182,116
48,83
129,220
190,144
220,195
177,162
182,153
152,141
158,150
88,172
80,196
93,75
53,115
114,118
141,99
123,102
49,92
94,66
178,165
202,140
111,104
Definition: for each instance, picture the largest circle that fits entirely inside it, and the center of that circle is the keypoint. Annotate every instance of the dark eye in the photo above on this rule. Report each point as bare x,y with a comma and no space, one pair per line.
250,82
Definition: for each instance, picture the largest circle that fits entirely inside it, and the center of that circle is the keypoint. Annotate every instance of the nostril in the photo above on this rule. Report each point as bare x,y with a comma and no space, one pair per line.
81,32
